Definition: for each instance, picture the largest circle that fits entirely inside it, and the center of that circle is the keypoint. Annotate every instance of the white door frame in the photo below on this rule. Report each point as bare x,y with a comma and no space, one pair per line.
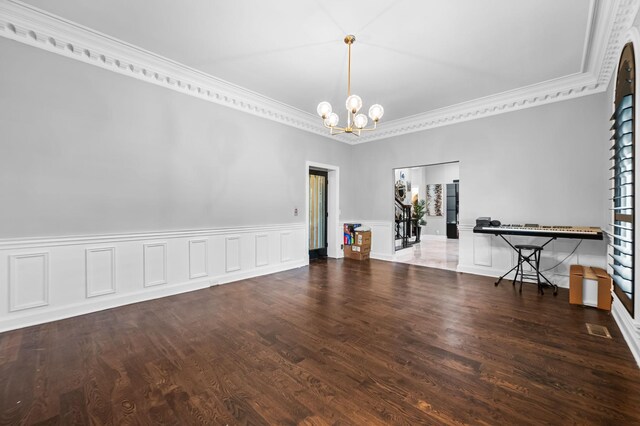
334,232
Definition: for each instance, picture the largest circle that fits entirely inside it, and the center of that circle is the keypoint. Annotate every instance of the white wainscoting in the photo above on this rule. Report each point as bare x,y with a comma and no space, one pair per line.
232,249
53,278
489,255
262,250
198,258
28,281
100,270
155,264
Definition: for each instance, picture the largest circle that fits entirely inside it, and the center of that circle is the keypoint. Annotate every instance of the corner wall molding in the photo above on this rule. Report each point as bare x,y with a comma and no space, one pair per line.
609,22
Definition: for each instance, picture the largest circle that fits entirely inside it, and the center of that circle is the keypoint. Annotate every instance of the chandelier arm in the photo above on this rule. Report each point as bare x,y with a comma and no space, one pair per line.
370,129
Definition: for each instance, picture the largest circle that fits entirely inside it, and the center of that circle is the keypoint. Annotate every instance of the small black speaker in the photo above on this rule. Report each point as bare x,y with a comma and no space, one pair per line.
495,223
483,221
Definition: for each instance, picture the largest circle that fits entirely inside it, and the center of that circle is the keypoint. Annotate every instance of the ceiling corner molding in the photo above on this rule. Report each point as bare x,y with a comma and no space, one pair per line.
608,44
610,21
38,28
561,89
609,24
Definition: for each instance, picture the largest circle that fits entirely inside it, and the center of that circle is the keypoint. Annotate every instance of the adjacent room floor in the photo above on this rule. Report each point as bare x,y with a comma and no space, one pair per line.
435,251
338,342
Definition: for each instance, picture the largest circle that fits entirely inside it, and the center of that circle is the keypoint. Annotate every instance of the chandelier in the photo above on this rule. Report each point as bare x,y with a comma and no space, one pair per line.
356,123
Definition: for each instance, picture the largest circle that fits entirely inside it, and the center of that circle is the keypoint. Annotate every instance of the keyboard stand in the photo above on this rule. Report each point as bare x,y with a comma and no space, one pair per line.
547,284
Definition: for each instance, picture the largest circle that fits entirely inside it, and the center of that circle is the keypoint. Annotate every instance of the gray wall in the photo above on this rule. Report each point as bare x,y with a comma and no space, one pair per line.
545,165
87,151
444,174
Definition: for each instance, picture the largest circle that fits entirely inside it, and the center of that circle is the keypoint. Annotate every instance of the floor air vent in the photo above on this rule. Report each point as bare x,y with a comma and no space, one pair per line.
598,330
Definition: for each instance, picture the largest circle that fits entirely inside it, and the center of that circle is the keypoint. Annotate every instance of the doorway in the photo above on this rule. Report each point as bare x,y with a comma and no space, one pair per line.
333,228
318,213
427,211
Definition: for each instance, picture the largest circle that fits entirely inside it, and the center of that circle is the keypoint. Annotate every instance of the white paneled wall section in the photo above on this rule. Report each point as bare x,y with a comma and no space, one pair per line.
50,279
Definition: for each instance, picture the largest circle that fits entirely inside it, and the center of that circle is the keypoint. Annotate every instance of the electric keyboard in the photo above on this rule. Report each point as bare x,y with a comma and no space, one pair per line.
579,232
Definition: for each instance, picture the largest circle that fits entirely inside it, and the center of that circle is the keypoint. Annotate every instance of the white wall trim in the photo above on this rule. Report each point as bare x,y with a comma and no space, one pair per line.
14,282
382,256
145,258
27,24
95,305
629,330
556,90
285,247
90,291
262,262
228,241
13,243
193,273
57,282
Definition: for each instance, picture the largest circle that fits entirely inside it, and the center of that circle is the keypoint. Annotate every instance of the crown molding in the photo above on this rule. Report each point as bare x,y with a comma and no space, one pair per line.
551,91
29,25
607,45
608,24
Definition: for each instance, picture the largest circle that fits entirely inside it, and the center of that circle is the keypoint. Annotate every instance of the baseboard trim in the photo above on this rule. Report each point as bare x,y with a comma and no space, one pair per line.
149,293
382,256
630,331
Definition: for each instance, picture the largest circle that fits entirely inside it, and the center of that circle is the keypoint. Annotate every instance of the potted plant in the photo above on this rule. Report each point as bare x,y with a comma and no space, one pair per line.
419,210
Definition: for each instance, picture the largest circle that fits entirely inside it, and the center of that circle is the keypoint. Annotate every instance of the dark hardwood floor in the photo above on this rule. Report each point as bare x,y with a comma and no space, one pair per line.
339,342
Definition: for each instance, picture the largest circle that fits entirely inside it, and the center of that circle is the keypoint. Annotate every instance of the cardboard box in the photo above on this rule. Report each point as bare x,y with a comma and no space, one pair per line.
357,252
362,238
590,286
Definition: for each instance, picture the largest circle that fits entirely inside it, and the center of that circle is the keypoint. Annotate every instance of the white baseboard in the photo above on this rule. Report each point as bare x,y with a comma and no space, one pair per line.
382,256
55,278
630,330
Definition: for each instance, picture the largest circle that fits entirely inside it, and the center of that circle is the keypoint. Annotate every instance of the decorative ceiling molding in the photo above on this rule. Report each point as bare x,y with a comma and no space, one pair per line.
609,22
35,27
538,94
609,43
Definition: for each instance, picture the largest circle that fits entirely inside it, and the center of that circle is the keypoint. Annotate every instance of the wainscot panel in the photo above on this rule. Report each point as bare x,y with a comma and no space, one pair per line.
48,279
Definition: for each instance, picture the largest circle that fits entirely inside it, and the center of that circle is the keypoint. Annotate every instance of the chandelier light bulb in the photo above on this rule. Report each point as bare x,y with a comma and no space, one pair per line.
360,121
332,120
376,112
324,109
354,103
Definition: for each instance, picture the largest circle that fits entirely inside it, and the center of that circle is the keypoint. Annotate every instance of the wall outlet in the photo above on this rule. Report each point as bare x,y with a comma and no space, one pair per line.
295,211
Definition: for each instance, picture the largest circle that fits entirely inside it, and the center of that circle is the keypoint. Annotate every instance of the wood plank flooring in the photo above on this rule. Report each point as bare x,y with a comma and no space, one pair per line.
339,342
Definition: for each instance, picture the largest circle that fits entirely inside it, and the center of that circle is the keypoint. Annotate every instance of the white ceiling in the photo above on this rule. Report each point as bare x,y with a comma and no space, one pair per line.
411,56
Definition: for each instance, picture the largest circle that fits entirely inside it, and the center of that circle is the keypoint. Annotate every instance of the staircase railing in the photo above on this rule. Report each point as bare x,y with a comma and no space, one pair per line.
403,222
